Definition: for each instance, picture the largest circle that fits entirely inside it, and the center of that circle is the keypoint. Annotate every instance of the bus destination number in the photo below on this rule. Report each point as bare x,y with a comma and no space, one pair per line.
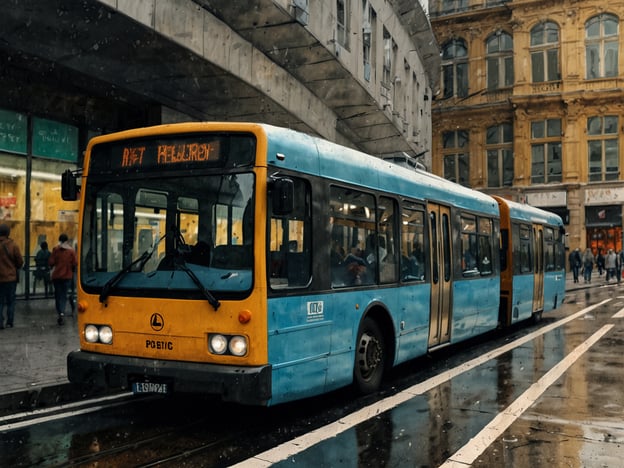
149,387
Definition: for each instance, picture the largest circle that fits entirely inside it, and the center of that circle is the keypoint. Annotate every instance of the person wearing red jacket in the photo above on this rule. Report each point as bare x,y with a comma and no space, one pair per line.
11,261
63,261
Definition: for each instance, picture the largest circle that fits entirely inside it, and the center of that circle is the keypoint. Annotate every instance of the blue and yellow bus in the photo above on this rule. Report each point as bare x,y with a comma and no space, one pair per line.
265,265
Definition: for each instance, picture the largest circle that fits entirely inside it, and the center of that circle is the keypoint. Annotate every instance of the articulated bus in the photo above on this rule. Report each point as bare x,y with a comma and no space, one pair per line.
264,265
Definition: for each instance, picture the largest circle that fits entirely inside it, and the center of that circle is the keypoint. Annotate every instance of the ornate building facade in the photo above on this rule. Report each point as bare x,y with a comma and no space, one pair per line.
530,107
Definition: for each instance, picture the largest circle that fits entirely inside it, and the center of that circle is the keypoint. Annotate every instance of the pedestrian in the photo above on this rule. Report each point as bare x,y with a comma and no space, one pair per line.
10,262
588,265
600,262
610,264
63,262
575,263
42,268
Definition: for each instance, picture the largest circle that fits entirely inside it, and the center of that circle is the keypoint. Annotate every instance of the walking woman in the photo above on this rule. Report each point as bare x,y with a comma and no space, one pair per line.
64,261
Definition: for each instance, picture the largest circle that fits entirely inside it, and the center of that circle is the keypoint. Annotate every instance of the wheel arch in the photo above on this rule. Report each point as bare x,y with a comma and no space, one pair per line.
378,312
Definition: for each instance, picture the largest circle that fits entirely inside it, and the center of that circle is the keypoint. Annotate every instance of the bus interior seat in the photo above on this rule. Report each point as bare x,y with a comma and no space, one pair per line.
235,257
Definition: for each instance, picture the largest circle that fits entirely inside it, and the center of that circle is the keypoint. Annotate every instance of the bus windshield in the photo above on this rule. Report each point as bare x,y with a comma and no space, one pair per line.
185,236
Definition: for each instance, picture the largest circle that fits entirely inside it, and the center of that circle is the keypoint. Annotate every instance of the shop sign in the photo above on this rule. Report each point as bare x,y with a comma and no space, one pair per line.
601,196
544,199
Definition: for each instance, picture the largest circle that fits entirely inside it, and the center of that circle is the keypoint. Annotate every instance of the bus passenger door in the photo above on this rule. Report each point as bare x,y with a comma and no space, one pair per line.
441,276
538,278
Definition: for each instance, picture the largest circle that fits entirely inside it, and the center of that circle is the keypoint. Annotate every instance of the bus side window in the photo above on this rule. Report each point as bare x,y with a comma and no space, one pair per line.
289,254
522,254
412,245
469,246
388,261
354,238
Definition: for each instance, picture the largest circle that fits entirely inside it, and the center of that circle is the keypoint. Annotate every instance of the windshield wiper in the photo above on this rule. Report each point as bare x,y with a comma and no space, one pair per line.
213,301
111,283
142,260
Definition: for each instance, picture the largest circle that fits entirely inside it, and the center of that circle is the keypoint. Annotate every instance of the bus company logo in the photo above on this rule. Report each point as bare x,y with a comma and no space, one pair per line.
157,322
315,311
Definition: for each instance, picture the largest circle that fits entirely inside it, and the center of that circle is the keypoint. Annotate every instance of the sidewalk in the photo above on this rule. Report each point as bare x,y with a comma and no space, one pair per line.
33,354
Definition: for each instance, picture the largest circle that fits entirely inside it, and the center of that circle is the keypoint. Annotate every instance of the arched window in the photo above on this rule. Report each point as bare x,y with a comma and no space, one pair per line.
601,46
499,50
455,69
499,148
545,52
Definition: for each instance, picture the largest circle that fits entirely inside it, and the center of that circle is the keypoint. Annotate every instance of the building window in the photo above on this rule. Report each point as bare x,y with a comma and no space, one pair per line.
455,69
388,56
369,21
450,6
601,46
602,148
499,50
342,22
546,151
499,141
456,162
545,52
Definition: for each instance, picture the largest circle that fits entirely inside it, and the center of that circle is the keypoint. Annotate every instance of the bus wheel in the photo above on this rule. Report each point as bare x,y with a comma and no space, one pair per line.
537,317
370,357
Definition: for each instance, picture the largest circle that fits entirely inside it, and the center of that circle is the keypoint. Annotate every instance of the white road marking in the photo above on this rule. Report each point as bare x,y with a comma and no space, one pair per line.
20,420
466,455
619,314
299,444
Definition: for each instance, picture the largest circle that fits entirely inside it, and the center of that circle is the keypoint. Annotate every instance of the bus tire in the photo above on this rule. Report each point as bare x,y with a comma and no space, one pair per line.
370,357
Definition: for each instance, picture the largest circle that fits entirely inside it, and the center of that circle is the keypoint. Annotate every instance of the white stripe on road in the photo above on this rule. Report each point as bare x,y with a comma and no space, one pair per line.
466,455
619,314
30,418
299,444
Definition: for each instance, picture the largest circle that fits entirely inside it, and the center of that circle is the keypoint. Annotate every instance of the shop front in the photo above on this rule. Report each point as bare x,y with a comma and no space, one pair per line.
603,226
33,153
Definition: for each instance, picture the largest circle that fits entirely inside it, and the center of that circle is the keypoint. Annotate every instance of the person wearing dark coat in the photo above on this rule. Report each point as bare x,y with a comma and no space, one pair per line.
11,261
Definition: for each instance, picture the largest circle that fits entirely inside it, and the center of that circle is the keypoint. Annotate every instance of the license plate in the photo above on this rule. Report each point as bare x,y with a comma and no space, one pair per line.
150,387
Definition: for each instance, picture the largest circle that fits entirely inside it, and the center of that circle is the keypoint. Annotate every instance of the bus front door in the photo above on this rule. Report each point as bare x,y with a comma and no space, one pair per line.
440,315
538,272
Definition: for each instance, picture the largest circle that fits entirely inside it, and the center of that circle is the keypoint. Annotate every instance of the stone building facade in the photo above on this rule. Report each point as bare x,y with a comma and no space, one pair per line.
531,107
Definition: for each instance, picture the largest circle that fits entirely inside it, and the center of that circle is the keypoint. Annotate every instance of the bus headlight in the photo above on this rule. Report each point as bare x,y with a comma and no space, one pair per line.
98,334
234,345
91,334
238,345
106,334
218,344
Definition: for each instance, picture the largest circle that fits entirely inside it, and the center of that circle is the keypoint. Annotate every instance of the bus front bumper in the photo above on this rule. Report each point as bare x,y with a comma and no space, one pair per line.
246,385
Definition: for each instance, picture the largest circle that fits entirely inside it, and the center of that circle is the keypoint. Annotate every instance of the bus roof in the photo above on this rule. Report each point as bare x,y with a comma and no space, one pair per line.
523,212
316,156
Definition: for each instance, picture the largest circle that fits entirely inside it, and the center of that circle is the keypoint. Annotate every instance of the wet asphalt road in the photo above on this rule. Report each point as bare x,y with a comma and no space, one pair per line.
540,395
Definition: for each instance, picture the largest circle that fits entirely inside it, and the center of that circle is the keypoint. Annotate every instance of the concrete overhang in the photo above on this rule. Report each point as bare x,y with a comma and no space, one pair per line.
106,52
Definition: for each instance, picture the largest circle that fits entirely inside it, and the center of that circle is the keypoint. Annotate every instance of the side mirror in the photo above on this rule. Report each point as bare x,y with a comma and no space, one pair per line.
69,186
283,196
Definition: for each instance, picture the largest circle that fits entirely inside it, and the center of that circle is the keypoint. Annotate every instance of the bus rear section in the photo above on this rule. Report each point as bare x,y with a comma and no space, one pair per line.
532,262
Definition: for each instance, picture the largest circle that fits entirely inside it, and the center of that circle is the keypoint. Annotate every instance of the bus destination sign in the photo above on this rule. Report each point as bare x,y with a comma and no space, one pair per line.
173,152
132,156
